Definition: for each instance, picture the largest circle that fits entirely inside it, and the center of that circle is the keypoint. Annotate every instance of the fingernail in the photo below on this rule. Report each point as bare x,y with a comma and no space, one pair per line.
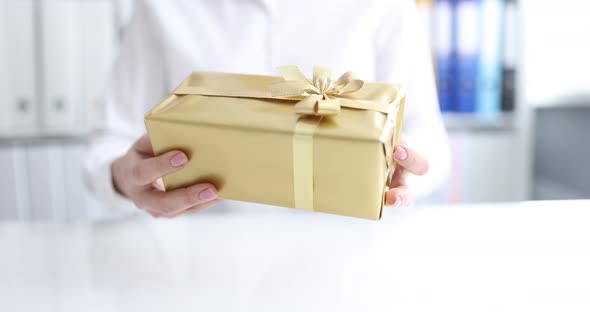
400,153
178,160
207,194
398,202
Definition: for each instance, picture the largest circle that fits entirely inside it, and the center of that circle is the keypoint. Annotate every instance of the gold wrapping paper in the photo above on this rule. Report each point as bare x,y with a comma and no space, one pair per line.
279,140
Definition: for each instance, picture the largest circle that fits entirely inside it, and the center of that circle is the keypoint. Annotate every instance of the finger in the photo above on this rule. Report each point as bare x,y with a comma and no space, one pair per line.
410,160
197,208
399,177
143,145
398,197
158,185
174,202
146,171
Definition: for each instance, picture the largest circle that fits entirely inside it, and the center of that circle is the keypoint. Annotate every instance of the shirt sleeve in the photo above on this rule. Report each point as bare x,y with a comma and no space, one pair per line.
404,56
136,82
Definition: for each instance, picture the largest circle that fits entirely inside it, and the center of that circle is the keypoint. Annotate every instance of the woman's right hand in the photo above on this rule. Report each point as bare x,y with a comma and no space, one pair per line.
138,176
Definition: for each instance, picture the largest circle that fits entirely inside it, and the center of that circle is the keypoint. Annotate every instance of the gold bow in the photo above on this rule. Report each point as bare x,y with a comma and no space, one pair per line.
321,96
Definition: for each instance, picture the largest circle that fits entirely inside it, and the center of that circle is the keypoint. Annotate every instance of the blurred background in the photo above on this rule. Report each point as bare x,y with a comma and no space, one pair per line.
511,74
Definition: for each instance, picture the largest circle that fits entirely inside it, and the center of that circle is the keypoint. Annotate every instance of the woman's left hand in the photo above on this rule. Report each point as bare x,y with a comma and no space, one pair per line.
408,162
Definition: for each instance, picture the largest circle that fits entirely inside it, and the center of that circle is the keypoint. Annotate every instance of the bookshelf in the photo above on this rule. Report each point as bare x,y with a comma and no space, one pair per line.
475,48
55,70
491,147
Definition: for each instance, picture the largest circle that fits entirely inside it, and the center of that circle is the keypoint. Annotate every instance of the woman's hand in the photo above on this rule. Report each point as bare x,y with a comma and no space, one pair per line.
137,175
408,162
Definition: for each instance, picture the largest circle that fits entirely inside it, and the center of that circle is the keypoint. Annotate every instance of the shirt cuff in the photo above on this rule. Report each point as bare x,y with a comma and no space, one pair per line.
108,195
438,155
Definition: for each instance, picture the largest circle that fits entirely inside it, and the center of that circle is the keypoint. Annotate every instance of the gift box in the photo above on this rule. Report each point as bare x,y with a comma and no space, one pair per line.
320,145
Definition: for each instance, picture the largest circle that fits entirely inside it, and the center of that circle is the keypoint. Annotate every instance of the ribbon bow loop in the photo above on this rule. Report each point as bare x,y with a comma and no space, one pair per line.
321,96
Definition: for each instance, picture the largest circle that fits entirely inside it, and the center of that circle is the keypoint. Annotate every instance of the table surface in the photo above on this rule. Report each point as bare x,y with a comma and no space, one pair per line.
503,257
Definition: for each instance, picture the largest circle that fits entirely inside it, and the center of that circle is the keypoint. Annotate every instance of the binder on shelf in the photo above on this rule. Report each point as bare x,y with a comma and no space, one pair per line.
60,26
8,189
75,201
509,56
18,100
78,43
46,182
489,71
97,46
79,203
443,51
13,185
466,33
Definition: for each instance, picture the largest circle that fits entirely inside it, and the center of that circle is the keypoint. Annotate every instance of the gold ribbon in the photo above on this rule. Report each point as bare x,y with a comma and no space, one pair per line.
323,97
303,172
319,97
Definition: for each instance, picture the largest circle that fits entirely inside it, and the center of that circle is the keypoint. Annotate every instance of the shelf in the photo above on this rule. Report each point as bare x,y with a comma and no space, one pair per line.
474,122
562,101
44,136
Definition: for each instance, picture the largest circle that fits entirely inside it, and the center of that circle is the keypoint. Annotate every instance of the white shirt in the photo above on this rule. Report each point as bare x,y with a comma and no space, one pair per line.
379,40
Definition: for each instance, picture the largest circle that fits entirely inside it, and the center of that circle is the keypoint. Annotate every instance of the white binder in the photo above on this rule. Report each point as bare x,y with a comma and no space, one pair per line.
97,44
78,43
14,191
79,203
60,27
8,208
17,60
46,181
75,191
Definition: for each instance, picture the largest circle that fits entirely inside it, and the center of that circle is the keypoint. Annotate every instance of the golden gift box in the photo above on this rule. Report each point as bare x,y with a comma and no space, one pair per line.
318,144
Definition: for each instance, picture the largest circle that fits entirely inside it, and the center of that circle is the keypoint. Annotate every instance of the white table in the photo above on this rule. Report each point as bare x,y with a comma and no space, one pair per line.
510,257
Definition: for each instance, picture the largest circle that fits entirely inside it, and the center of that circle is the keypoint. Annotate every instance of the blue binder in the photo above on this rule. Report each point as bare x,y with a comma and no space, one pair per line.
466,31
443,48
489,81
510,50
